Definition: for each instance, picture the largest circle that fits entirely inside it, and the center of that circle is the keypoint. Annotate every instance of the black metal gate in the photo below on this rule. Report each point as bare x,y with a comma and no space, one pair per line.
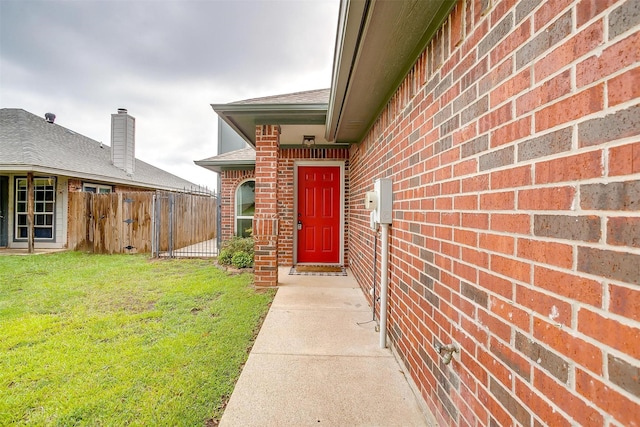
185,225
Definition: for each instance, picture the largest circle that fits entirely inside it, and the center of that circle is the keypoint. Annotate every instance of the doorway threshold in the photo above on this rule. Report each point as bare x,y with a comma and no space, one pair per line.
318,270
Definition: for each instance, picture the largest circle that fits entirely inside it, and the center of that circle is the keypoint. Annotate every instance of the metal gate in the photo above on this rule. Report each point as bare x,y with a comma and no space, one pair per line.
185,225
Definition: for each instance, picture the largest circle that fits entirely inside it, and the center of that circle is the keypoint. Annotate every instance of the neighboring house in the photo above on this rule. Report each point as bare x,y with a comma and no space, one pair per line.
62,161
510,132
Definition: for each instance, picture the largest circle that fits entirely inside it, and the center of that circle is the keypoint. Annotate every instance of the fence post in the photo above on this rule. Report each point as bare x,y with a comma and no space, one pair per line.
153,226
218,222
171,207
88,206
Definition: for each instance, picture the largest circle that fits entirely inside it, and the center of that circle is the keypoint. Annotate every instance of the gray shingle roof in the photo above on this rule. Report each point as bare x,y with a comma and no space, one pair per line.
244,154
243,158
28,141
319,96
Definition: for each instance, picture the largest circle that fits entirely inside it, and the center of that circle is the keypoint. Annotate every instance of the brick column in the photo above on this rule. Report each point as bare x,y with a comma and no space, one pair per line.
265,219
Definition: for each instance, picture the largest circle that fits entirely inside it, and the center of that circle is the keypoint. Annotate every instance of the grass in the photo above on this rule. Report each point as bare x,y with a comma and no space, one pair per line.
121,340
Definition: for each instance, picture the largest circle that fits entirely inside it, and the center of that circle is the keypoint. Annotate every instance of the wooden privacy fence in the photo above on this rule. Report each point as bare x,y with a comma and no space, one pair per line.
140,222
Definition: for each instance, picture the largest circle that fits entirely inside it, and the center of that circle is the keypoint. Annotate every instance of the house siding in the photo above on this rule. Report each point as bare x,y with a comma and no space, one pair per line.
513,148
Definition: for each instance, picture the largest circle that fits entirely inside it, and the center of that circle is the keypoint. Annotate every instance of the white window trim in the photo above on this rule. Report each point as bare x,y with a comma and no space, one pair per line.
18,213
236,217
98,187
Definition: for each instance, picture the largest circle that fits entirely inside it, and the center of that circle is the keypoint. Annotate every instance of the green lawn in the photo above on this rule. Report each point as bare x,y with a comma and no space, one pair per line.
121,340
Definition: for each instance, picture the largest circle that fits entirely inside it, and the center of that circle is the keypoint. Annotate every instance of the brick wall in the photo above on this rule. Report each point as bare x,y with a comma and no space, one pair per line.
76,185
514,149
285,191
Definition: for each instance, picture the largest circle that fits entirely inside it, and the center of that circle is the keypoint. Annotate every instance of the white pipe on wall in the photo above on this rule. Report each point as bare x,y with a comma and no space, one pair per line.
384,284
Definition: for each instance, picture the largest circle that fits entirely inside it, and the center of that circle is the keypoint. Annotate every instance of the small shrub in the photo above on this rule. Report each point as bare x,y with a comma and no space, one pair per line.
241,246
242,260
225,256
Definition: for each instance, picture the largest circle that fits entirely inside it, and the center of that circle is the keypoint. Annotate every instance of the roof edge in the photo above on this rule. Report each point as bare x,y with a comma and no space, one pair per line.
220,166
17,169
353,24
230,113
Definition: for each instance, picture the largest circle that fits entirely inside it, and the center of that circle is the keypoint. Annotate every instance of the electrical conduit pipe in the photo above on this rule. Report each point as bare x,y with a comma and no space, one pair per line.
384,284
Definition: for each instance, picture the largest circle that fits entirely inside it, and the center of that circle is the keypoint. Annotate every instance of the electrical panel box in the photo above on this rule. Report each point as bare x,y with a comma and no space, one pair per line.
383,189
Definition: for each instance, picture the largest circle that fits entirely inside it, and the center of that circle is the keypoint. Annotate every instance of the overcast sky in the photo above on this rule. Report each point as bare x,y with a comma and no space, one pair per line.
165,61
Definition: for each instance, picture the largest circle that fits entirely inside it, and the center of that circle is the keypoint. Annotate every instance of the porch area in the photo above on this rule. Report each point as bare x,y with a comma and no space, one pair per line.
317,361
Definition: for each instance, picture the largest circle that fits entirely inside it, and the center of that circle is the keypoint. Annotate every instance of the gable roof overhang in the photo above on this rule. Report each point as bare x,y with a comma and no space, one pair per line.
220,166
243,159
244,116
377,43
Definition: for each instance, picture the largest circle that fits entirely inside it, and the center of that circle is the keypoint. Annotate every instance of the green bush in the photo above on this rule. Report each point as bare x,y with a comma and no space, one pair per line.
241,246
242,260
224,257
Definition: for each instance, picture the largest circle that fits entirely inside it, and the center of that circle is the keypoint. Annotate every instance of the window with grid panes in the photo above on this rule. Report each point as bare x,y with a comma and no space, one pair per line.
44,201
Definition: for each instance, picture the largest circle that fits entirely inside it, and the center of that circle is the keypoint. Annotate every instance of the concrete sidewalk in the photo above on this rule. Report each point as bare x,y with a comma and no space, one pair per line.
317,361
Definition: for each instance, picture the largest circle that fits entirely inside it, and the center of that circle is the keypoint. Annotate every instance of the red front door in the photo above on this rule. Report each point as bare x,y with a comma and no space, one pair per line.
318,216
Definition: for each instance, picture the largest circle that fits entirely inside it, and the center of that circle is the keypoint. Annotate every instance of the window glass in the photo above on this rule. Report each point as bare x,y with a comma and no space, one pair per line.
245,208
246,201
96,188
244,227
44,208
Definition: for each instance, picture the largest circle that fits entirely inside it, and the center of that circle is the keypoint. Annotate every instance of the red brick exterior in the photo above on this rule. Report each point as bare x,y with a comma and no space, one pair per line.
265,220
513,148
230,180
76,185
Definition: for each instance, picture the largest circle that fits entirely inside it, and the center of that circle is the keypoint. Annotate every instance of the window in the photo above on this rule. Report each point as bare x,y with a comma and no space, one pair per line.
245,208
44,197
96,188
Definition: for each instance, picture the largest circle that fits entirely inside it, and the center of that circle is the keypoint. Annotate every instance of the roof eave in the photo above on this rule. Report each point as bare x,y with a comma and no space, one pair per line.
351,19
220,166
17,169
363,39
244,117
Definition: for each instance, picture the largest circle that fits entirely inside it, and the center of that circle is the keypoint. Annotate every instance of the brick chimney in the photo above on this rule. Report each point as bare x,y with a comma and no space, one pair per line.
123,141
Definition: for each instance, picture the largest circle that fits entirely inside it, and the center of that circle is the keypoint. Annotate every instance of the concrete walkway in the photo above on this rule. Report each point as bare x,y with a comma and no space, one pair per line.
317,362
25,252
205,249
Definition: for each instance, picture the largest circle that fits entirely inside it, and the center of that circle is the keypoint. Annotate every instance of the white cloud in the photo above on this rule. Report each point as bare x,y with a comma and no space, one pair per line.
165,61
